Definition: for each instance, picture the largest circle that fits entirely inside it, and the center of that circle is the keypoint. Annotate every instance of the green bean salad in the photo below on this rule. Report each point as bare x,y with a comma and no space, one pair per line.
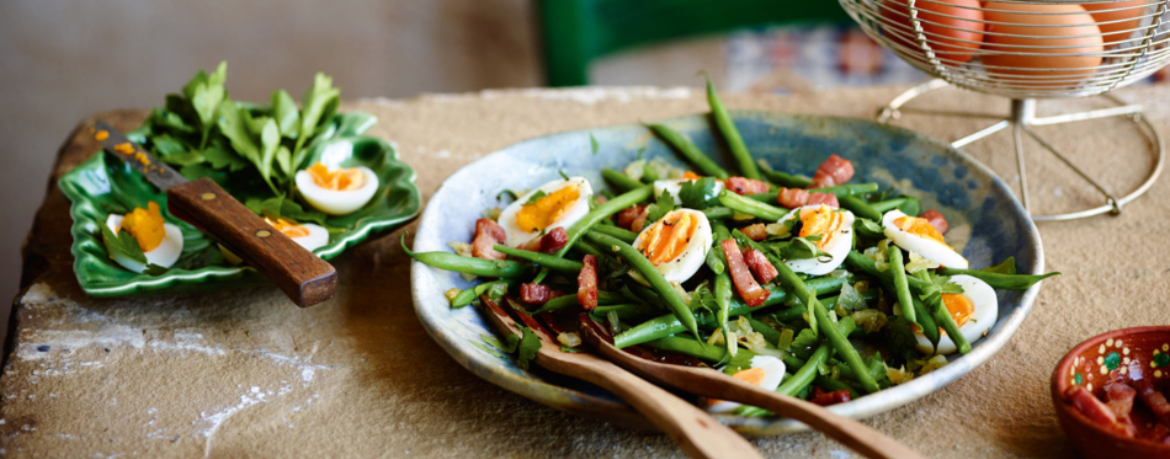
812,287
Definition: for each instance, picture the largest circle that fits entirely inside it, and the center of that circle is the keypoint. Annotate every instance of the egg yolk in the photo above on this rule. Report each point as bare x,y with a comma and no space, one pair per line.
146,225
336,180
919,227
288,227
753,376
668,238
547,210
822,221
688,175
959,307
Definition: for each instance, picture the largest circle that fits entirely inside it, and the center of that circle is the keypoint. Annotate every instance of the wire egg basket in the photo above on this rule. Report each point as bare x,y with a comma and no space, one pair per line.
1027,50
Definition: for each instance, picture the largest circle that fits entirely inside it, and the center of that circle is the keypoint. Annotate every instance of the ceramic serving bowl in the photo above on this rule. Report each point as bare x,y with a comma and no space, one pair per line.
104,185
987,222
1089,365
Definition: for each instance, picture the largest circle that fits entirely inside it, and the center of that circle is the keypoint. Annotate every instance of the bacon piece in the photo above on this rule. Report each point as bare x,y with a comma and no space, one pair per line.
535,294
936,220
487,234
600,199
549,243
1094,409
1153,399
834,171
742,185
827,199
626,217
587,283
792,197
760,266
755,232
1119,397
640,221
741,276
823,398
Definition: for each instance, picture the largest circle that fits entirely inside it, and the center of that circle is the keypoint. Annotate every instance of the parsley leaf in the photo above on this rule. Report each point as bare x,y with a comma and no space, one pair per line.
281,207
509,193
660,208
563,174
699,194
900,337
1007,267
802,346
741,361
528,346
122,244
155,270
535,197
703,299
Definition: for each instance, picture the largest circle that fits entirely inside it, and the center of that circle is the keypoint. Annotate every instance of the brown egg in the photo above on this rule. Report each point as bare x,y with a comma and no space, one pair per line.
1054,63
961,44
1118,31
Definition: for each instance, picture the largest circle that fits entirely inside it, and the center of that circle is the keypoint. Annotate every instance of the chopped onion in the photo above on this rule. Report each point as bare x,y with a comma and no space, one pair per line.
569,339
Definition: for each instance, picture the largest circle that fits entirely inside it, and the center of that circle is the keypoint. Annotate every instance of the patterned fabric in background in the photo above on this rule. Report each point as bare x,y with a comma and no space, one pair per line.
809,57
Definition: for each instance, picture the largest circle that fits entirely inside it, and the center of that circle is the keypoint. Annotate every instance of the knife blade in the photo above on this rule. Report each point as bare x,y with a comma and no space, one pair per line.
304,277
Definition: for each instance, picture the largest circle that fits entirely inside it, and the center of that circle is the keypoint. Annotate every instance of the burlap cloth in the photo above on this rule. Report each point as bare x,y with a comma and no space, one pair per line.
245,373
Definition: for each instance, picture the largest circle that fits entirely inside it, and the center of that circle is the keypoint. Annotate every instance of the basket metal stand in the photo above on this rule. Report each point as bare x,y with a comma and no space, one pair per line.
1021,118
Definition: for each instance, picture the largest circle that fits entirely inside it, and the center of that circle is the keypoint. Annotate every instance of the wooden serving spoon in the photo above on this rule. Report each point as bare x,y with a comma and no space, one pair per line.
695,431
715,384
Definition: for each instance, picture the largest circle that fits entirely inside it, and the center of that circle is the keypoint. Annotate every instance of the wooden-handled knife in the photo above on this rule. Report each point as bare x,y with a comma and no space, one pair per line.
304,277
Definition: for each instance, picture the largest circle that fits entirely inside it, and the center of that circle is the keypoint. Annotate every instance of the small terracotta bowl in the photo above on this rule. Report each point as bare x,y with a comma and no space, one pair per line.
1089,365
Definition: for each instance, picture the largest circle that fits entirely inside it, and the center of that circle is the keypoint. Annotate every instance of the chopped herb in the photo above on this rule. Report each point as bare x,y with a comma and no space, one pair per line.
535,197
593,143
122,244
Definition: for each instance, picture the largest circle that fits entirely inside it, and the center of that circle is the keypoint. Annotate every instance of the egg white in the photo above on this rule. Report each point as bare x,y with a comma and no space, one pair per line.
165,255
838,248
335,202
982,296
682,267
773,374
318,237
675,186
575,212
927,248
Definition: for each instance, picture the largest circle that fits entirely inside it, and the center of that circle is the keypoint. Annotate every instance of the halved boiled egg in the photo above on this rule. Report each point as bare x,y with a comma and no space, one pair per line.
556,204
835,228
918,235
675,186
766,371
677,244
335,190
306,235
975,311
161,242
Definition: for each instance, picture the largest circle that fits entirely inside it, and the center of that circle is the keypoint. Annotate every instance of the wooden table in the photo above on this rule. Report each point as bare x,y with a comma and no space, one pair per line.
246,373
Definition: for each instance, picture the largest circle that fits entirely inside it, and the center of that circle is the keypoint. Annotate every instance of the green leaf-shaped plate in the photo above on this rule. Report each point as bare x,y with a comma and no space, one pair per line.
104,185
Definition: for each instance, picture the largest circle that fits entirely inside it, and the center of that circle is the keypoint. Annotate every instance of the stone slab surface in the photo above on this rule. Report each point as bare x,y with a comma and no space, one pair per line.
245,373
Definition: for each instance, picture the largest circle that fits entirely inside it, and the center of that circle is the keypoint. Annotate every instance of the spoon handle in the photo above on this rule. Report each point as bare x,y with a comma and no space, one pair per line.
695,431
857,436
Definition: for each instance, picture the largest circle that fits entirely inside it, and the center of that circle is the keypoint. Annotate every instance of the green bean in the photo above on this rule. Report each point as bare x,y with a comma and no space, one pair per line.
620,182
783,179
828,302
942,315
689,151
859,261
751,207
771,335
805,375
448,261
901,288
623,234
586,248
722,285
841,191
887,205
688,346
927,325
718,213
542,259
465,297
829,328
610,207
714,263
834,385
1000,280
655,278
739,151
910,206
860,207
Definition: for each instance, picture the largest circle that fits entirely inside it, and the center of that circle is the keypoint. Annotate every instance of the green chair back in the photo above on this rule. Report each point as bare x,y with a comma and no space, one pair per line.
577,31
